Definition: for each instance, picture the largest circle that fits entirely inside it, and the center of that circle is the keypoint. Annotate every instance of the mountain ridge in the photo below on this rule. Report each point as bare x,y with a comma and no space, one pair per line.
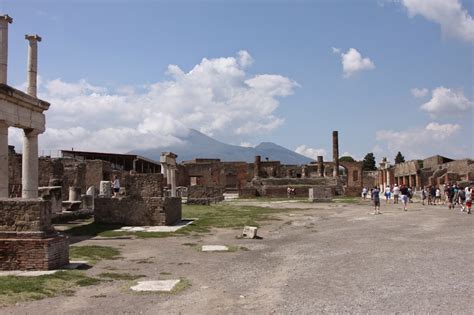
198,145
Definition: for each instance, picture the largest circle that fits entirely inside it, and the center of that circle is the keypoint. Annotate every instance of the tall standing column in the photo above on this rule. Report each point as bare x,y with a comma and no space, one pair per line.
168,175
173,181
32,63
29,177
335,152
320,166
4,21
3,160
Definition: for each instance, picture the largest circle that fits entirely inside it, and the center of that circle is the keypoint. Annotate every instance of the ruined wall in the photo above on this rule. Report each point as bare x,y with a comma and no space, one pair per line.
144,185
25,215
354,179
138,212
96,171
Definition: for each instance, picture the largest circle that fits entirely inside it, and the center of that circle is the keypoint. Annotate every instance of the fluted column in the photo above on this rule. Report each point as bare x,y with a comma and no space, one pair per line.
3,160
29,178
4,21
32,63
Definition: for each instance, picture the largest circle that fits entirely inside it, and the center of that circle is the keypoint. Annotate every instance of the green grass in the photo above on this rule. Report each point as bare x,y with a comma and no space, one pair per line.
20,289
223,215
93,253
343,199
119,276
182,285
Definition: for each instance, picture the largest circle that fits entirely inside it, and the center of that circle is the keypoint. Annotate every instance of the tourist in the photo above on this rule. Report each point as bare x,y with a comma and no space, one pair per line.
430,197
450,194
396,193
404,192
438,196
468,199
410,195
423,196
364,192
376,199
387,194
116,186
462,198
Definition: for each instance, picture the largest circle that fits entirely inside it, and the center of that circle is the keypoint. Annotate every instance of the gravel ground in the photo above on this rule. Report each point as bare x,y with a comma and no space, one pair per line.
318,258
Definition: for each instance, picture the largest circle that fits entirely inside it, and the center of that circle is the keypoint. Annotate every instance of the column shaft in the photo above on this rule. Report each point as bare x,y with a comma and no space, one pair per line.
4,21
32,67
173,182
4,191
29,177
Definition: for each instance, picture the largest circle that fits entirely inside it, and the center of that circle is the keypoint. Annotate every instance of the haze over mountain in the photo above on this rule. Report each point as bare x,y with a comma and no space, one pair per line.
198,145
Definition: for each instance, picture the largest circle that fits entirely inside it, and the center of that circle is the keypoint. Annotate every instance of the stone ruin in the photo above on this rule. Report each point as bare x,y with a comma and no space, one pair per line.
27,239
144,202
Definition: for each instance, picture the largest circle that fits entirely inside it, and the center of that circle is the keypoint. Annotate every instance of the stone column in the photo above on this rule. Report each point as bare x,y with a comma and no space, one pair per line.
29,177
335,152
320,166
4,21
256,166
168,175
4,191
173,181
32,63
388,178
164,170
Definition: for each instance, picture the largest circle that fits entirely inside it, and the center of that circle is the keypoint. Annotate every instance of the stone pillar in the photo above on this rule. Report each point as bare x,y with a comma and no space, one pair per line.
335,152
164,170
4,189
4,21
74,193
168,175
257,166
388,178
173,181
29,177
320,166
32,67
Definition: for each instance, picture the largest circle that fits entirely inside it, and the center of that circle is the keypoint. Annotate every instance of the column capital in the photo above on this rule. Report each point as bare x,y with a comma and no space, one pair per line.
6,18
33,38
32,132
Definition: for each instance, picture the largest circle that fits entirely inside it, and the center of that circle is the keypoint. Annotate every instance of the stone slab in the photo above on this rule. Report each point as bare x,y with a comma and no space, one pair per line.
163,228
214,248
155,286
36,273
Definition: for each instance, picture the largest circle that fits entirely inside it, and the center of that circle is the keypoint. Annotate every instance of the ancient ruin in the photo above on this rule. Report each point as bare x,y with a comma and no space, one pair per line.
27,238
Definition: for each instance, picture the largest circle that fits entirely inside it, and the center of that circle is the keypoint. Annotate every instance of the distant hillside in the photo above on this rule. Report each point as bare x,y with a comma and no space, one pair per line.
198,145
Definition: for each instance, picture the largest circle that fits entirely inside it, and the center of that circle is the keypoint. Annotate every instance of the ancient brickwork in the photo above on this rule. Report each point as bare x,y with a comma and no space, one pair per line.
138,212
25,215
144,185
204,195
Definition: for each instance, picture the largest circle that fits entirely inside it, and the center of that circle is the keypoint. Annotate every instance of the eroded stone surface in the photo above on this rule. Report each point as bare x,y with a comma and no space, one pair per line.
214,248
155,286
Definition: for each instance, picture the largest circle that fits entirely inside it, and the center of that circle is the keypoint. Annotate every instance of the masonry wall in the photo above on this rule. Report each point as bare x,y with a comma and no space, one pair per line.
144,185
138,212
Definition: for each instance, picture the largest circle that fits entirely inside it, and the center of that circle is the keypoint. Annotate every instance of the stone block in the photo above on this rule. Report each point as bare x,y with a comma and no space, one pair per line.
105,189
53,194
21,215
87,201
250,232
320,194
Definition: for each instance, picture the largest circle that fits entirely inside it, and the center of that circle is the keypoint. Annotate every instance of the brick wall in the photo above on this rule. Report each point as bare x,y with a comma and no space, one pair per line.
144,185
25,215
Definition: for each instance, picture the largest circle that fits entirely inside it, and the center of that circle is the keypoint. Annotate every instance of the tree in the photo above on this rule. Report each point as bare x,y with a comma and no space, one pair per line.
346,158
399,158
368,164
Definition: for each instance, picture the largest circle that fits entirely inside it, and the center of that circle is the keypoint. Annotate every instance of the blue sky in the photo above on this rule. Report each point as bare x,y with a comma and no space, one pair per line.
104,65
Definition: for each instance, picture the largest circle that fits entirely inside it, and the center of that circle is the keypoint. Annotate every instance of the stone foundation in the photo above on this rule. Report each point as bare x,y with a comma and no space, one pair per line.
27,239
320,194
138,212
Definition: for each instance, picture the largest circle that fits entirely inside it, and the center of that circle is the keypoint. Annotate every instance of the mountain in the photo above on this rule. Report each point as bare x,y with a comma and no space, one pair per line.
198,145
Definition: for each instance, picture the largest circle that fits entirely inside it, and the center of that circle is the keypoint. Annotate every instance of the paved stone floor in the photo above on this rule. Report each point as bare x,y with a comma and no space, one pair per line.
319,258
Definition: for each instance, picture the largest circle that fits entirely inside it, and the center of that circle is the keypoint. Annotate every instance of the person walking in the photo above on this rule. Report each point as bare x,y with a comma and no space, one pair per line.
462,198
468,199
396,193
376,200
450,194
387,194
116,186
423,196
364,192
404,192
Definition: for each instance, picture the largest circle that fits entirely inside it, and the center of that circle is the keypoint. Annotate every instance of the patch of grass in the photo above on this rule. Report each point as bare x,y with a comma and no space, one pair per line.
190,244
119,276
20,289
343,199
182,285
235,248
93,253
164,273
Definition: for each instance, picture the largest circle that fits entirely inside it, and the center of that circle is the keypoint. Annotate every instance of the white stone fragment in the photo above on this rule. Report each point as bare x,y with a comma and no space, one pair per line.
172,228
155,286
249,232
214,248
37,273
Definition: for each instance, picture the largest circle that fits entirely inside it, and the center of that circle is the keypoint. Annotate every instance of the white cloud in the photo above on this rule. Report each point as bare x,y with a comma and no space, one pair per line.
419,93
433,139
246,145
310,152
353,62
447,102
216,97
454,20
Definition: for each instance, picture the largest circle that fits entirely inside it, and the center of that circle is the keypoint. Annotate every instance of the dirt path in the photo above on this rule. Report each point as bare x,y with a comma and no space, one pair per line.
332,258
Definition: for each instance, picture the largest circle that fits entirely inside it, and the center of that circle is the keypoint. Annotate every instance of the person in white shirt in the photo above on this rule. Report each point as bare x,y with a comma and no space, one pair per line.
396,193
116,186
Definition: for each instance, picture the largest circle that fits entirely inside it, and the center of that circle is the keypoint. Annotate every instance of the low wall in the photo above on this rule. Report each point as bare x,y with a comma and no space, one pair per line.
22,215
129,211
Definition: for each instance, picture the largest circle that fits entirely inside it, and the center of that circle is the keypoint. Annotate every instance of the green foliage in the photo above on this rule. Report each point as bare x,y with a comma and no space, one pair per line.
399,158
368,164
15,289
119,276
93,253
346,159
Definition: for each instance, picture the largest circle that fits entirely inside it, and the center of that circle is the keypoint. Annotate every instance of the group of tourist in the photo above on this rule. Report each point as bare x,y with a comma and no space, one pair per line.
453,195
